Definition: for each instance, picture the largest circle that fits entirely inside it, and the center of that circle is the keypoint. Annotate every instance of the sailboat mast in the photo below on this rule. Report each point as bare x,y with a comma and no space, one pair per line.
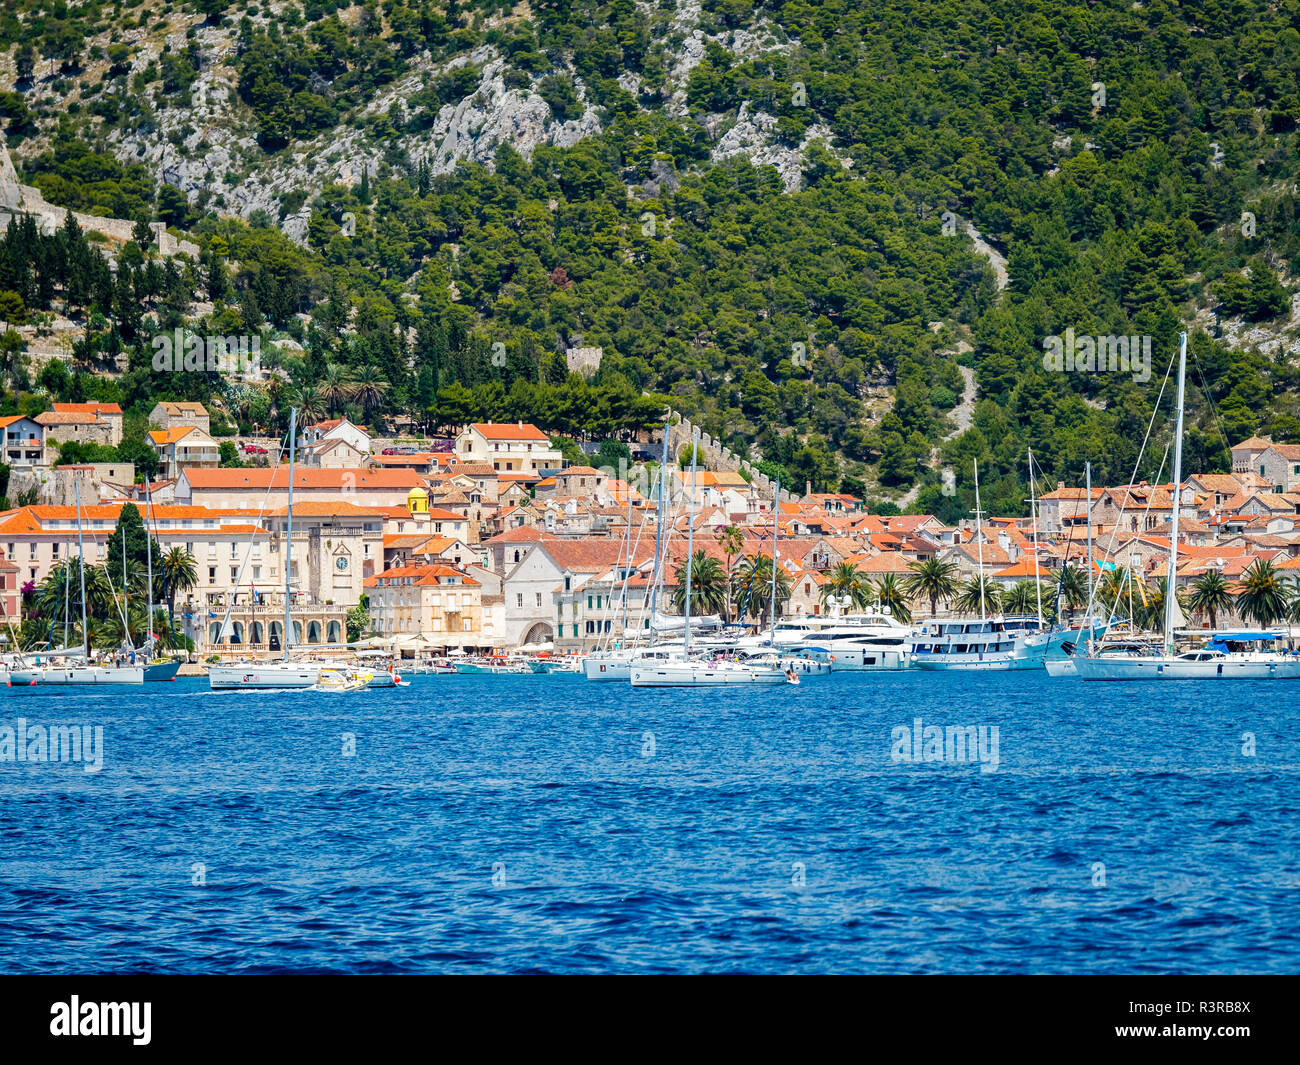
67,592
1087,506
81,559
288,541
1033,511
690,539
148,555
659,538
627,572
126,604
776,531
1171,597
979,539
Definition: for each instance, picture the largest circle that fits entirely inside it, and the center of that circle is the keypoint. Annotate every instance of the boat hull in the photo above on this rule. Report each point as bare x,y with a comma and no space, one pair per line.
995,660
157,672
1060,667
868,660
1161,667
607,669
253,676
77,675
669,675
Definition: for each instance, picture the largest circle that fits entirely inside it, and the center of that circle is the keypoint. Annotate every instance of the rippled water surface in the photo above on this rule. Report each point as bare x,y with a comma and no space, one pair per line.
541,823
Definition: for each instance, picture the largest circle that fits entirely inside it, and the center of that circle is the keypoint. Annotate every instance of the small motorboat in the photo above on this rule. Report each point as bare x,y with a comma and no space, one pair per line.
342,680
791,677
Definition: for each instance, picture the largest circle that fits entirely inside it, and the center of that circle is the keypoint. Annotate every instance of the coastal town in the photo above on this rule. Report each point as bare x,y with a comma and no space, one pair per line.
490,542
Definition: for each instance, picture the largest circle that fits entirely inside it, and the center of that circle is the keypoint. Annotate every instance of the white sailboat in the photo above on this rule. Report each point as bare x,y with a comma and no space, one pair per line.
79,669
615,663
1224,659
683,671
153,671
286,673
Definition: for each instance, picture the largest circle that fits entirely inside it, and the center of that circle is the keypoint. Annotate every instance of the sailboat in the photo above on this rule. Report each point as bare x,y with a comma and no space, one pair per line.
997,643
286,673
80,669
1228,657
683,671
153,671
616,663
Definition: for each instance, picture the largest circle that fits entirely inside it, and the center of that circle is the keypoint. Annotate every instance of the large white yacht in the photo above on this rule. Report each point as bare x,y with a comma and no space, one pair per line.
980,643
859,642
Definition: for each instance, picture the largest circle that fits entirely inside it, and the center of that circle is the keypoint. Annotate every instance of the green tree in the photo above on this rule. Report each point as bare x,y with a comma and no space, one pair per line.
708,592
975,591
732,542
1210,595
1262,597
891,593
180,574
358,620
846,581
932,579
752,588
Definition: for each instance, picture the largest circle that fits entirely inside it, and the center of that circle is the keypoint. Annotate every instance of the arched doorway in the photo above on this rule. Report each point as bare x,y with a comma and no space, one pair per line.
541,632
277,636
313,632
333,634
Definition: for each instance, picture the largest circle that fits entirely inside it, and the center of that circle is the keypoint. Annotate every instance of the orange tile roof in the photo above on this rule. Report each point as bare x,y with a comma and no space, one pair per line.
423,574
163,437
324,508
278,477
510,431
87,408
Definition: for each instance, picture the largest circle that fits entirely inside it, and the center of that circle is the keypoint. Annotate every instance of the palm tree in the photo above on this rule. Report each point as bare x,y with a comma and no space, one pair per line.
846,581
732,541
1151,612
335,388
56,589
707,578
180,574
932,580
311,407
1021,598
1262,597
973,592
752,586
101,589
1114,589
891,593
1210,594
370,390
1072,589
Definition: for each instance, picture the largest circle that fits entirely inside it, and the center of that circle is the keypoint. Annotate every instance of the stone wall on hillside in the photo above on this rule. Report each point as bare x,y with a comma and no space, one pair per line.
25,199
716,455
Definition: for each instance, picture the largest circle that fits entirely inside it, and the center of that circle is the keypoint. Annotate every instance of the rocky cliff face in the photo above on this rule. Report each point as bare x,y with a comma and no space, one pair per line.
207,148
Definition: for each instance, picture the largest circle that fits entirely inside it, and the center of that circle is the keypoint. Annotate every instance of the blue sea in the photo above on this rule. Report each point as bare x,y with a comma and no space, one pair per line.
548,824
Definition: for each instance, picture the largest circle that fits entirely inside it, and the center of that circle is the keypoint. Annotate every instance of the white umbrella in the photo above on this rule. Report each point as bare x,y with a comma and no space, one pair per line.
374,642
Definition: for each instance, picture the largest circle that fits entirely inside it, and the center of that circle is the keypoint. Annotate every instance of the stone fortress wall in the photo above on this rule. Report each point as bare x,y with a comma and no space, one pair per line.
16,198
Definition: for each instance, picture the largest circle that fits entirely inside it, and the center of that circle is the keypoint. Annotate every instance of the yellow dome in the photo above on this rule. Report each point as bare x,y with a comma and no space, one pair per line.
417,500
